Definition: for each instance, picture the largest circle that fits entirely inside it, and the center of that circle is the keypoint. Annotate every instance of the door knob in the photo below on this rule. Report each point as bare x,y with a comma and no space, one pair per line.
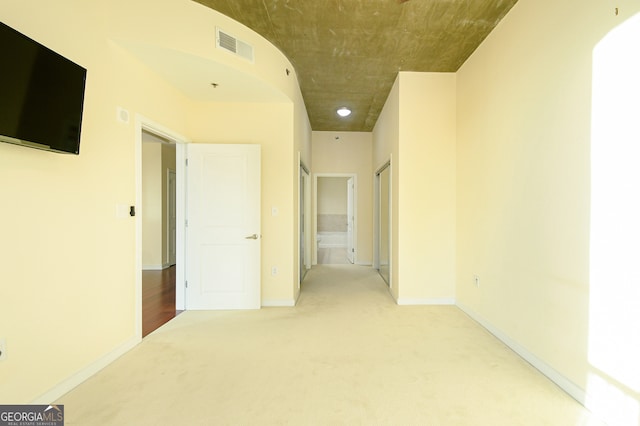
252,237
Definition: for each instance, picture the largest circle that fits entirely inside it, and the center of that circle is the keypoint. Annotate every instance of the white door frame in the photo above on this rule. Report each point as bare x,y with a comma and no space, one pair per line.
144,124
315,212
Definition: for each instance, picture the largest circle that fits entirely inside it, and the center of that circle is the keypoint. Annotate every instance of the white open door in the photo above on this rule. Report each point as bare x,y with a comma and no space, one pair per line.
223,227
350,220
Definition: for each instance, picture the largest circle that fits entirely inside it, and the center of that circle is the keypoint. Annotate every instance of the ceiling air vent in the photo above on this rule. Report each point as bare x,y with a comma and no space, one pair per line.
233,45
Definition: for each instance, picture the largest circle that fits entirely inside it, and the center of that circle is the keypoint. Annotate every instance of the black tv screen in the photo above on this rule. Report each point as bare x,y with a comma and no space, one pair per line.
41,95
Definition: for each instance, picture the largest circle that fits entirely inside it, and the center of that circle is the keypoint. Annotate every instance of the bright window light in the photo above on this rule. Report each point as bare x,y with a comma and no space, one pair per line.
614,296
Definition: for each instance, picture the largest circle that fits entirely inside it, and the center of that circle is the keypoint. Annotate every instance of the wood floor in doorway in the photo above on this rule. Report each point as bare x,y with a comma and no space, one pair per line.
158,298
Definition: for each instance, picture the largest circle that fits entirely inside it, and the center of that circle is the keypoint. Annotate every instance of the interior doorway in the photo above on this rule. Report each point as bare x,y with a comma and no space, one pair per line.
158,211
335,214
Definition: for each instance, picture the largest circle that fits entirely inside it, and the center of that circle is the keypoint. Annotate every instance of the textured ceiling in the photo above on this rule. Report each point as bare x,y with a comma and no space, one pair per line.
348,52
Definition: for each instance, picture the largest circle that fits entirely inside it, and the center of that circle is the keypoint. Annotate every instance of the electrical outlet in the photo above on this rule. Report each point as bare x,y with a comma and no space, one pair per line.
3,349
274,270
476,280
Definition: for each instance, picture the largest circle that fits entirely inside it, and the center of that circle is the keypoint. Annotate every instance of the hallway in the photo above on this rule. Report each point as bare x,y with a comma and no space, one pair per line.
346,354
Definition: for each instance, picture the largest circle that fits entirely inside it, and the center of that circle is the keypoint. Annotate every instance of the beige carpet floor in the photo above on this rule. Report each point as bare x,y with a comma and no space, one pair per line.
346,355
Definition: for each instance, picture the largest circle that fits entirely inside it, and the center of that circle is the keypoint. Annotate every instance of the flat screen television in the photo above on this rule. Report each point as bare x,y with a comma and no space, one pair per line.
41,95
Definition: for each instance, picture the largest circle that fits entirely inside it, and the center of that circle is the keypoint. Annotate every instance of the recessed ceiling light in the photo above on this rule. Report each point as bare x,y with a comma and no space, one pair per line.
343,111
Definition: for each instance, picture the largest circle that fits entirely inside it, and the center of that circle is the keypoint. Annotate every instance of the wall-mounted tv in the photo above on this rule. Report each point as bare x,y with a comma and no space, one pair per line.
41,95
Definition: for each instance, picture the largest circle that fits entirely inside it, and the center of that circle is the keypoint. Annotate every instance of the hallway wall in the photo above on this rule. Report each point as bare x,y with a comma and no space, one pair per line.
417,131
332,204
44,309
351,153
151,208
426,188
524,187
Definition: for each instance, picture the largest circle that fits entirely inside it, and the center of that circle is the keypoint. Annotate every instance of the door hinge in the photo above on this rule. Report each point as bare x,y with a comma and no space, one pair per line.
353,250
186,223
186,161
186,284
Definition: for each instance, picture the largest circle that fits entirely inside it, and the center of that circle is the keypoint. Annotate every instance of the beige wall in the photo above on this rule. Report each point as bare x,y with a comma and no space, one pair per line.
332,195
74,271
158,157
271,127
386,133
350,154
417,131
152,216
524,131
386,140
302,146
426,188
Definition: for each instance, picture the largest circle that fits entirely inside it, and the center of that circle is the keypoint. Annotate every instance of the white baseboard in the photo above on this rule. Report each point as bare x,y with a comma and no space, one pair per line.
565,384
154,267
441,301
278,303
364,263
71,382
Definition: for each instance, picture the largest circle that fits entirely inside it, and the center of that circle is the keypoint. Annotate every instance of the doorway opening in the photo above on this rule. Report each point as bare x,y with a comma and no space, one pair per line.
159,240
158,211
335,213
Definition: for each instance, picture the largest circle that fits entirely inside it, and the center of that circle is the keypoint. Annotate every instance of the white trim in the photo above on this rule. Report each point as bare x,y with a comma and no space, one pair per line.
435,301
278,303
167,206
71,382
364,263
567,385
181,231
155,267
